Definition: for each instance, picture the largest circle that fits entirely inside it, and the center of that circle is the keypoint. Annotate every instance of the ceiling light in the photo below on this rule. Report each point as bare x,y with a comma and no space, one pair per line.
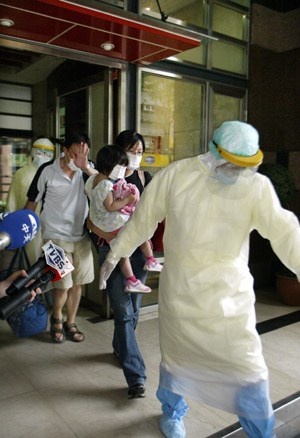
107,46
6,22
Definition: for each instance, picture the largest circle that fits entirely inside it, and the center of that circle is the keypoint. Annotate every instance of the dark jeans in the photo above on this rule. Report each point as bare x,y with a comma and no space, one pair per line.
126,312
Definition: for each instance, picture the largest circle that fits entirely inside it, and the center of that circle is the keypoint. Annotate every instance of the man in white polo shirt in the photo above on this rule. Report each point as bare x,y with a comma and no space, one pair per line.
59,185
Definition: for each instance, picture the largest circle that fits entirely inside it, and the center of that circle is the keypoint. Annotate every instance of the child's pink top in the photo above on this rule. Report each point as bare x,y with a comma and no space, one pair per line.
121,189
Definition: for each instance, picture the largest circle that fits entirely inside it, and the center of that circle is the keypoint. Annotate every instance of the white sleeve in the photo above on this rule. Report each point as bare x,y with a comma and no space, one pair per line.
279,225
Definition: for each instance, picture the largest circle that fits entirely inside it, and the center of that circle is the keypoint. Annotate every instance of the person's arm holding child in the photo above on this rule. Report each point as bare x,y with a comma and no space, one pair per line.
100,233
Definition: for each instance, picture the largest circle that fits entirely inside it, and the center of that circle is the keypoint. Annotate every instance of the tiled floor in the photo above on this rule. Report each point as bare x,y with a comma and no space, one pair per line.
78,390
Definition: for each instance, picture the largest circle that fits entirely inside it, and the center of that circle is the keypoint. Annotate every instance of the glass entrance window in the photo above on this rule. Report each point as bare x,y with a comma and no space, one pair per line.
225,108
229,57
196,55
14,153
222,26
171,117
73,113
98,118
188,11
229,22
225,105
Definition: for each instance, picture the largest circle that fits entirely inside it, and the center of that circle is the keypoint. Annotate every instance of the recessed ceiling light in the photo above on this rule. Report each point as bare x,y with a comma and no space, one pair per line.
107,46
6,22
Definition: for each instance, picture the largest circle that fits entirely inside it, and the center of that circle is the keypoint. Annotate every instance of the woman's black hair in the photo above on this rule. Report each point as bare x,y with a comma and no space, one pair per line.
108,157
127,139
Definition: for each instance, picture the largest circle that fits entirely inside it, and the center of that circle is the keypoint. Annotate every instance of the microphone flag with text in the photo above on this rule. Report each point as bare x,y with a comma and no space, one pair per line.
18,228
55,264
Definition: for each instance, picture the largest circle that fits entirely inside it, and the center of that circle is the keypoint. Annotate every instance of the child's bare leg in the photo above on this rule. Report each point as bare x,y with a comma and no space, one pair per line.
146,249
125,267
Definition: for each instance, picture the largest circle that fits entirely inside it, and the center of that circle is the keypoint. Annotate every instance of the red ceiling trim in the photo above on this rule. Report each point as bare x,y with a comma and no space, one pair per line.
135,40
73,24
117,19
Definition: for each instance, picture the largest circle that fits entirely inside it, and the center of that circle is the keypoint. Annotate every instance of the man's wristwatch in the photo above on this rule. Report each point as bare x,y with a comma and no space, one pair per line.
87,167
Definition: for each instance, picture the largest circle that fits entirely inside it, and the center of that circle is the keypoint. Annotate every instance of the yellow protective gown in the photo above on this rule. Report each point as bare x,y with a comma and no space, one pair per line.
210,348
16,200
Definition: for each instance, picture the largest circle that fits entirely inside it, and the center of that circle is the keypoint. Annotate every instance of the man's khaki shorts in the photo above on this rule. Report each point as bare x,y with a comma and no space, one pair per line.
81,257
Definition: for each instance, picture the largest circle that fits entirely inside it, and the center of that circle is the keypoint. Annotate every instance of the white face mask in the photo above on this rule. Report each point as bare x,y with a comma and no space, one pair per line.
71,164
118,172
134,161
40,157
39,160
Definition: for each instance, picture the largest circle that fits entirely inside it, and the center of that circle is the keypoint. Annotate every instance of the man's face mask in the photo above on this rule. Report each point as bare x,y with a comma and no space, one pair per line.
71,163
41,156
118,172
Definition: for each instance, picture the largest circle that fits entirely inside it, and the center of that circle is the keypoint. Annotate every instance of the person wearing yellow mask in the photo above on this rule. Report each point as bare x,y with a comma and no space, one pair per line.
42,151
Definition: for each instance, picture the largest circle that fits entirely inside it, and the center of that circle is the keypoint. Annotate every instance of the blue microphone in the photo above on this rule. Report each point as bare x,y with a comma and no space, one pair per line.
18,228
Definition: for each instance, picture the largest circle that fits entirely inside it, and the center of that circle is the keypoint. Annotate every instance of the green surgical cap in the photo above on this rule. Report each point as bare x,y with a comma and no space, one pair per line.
236,137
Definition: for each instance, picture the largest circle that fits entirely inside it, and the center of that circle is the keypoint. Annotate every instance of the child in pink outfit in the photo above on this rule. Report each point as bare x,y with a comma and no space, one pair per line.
123,189
112,202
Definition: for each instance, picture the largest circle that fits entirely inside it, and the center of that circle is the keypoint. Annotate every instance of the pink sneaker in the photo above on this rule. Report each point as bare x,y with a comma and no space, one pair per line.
137,287
152,266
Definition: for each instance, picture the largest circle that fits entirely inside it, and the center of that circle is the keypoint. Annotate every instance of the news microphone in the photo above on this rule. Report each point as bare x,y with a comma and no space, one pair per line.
32,272
18,228
55,264
54,259
10,304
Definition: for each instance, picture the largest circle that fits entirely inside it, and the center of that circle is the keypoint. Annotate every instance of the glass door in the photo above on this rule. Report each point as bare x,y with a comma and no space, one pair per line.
171,115
86,110
14,153
226,104
171,118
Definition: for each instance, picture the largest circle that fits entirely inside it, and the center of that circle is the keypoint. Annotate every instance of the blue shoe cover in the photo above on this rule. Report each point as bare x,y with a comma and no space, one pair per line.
172,427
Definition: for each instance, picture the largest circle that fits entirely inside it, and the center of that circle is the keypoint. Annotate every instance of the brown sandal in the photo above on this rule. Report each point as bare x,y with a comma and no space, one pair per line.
54,331
72,333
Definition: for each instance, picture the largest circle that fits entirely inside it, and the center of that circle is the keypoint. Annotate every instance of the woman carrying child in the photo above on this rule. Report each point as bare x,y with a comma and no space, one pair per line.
126,306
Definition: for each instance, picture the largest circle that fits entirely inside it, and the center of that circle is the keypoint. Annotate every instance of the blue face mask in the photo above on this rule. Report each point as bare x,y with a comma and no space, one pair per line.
228,173
225,179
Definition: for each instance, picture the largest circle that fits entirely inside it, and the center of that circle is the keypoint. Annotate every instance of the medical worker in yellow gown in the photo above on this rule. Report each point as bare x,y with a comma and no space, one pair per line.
210,348
41,152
